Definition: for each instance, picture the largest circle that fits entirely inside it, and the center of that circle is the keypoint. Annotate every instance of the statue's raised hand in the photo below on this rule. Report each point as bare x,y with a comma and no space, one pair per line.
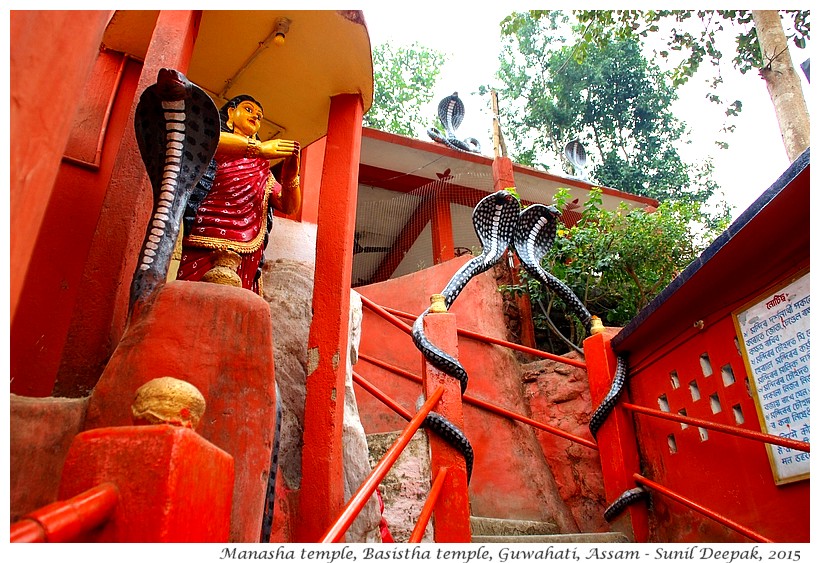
278,148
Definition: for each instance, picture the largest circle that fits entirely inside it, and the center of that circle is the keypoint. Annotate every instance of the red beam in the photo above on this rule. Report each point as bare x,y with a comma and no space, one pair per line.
67,520
351,510
453,513
702,509
742,432
442,227
617,440
410,231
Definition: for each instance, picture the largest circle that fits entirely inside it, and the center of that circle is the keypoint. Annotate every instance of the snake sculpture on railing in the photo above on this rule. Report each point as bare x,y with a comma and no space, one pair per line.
534,236
532,232
494,221
451,113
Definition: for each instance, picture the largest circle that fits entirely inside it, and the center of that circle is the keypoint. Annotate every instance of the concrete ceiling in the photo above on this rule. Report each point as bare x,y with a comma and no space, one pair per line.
325,53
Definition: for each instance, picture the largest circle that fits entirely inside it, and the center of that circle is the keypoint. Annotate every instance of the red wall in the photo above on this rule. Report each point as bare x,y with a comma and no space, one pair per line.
511,478
70,221
49,63
767,244
727,474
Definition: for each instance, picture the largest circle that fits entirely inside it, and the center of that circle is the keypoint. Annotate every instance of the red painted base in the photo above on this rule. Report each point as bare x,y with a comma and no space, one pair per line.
174,486
218,338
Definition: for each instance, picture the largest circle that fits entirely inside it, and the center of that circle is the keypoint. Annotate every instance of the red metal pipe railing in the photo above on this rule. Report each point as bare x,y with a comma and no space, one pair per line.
382,396
492,340
392,316
427,510
379,310
495,409
67,520
741,432
700,508
351,510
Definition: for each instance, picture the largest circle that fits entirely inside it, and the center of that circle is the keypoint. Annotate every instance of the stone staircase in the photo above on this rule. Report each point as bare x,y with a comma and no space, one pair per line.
405,490
495,530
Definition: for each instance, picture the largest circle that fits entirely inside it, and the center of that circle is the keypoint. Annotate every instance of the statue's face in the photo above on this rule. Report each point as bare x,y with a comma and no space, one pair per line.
246,118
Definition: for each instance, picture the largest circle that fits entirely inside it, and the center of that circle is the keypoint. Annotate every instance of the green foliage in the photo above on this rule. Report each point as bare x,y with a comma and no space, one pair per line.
616,262
691,33
404,78
604,92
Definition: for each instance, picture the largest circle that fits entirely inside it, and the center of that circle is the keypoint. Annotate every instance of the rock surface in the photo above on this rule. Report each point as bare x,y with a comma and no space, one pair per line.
406,486
558,395
288,288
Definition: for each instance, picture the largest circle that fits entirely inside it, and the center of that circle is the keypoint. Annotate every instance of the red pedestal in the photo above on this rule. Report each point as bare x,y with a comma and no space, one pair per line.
452,511
174,486
219,339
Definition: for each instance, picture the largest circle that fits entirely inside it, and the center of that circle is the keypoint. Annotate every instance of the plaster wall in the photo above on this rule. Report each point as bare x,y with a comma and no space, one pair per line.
291,240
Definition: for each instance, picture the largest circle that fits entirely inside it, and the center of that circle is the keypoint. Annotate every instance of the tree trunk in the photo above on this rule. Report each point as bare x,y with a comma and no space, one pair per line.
783,82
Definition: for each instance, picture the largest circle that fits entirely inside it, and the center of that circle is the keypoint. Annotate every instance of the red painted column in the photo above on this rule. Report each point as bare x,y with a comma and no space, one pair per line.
322,494
617,443
52,54
442,228
102,305
452,511
174,486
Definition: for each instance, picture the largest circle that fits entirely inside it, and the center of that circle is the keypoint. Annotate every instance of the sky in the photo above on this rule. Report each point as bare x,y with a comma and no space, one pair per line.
470,36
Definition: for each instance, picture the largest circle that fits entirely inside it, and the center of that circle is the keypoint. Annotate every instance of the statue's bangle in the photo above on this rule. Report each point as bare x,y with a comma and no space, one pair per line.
294,183
252,150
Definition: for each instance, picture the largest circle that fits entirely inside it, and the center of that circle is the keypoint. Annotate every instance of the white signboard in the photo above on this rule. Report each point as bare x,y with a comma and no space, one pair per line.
774,332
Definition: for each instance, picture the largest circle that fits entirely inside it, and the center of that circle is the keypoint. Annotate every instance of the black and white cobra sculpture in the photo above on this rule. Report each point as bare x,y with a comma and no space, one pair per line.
177,130
494,221
451,113
531,232
534,236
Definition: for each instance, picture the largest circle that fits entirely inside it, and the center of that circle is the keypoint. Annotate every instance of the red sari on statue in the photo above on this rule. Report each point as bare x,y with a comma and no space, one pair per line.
233,216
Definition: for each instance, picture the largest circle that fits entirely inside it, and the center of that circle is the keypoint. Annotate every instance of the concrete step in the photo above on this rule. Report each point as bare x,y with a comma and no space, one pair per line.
602,537
482,526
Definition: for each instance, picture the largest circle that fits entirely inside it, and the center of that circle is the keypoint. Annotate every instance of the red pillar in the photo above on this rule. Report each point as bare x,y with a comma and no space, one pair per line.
322,493
442,227
52,54
452,511
102,305
617,443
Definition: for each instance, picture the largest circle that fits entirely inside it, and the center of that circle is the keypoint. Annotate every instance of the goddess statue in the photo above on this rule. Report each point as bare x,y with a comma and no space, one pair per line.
231,209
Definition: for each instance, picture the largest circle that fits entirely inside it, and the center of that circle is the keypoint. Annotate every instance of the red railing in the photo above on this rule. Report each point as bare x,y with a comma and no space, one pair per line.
740,432
427,510
67,520
700,508
484,405
354,506
392,316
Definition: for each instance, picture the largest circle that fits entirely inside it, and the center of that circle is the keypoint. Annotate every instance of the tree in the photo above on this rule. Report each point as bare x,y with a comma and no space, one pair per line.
612,98
404,78
760,40
616,262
